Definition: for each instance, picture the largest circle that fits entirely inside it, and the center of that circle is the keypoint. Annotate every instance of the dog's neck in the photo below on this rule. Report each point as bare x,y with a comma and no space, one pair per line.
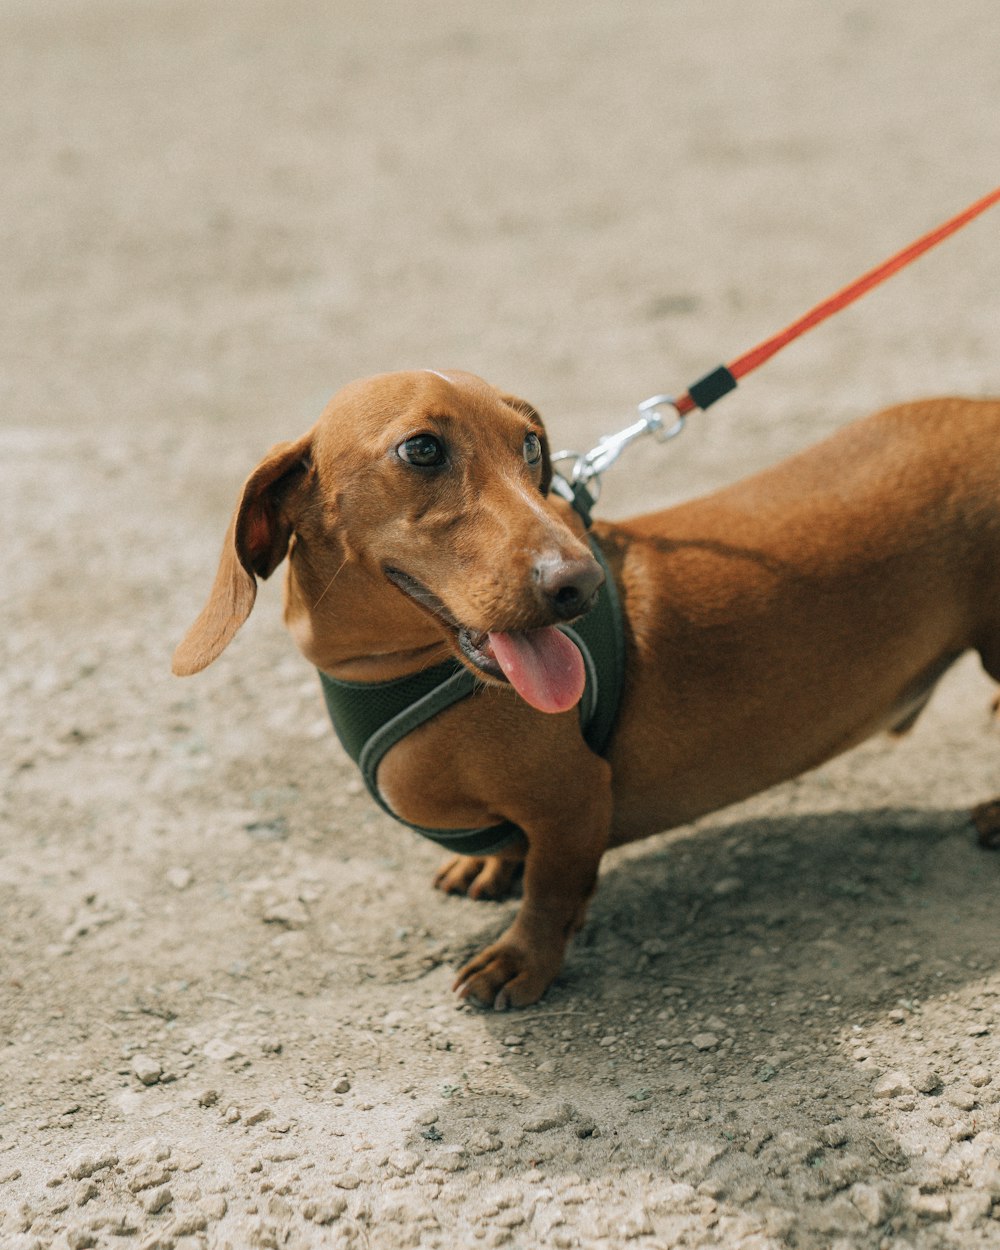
356,626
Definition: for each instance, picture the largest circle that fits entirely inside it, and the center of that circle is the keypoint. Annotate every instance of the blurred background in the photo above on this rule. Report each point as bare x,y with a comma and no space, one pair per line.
214,215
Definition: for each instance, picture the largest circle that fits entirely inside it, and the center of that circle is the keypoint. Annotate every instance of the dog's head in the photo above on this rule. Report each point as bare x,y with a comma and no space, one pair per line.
423,498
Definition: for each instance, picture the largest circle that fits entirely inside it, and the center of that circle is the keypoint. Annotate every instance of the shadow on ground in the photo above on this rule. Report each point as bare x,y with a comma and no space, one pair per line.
744,1017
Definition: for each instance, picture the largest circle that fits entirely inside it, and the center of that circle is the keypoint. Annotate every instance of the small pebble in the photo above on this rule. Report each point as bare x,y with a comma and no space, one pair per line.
552,1117
289,914
892,1085
179,878
215,1206
930,1206
86,1162
146,1069
483,1142
220,1050
279,1208
324,1212
150,1151
80,1238
704,1041
926,1081
148,1176
156,1199
84,1192
187,1225
282,1155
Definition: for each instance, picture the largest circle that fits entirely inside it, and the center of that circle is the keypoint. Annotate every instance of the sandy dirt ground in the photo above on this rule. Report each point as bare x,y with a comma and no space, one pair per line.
225,1014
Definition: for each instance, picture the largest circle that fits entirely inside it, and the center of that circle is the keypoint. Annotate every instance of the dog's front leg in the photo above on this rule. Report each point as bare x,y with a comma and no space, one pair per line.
560,872
480,876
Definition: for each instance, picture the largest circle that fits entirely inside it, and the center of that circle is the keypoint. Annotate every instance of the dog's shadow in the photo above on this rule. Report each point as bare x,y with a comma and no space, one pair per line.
852,905
744,984
856,906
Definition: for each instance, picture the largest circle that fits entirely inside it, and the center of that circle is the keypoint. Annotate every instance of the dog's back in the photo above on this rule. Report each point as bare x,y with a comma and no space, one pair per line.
786,618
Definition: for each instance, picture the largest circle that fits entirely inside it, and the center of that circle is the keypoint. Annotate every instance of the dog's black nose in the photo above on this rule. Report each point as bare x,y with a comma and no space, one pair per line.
569,585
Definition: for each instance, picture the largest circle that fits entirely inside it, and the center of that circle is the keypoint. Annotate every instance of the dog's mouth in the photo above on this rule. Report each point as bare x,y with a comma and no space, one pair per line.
543,665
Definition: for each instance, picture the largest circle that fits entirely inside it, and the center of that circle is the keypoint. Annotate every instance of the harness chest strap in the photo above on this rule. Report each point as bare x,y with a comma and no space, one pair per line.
371,717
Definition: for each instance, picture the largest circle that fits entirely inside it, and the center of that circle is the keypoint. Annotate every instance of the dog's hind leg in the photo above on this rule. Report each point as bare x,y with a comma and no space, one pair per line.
986,816
986,822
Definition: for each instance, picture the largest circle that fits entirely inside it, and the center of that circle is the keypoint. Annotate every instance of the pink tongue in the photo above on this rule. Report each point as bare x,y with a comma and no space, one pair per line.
543,666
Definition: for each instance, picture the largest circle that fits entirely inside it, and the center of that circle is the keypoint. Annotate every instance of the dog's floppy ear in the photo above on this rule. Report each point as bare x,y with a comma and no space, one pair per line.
529,410
255,544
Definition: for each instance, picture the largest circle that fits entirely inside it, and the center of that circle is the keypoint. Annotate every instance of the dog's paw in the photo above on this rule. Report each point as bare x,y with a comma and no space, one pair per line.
503,976
489,877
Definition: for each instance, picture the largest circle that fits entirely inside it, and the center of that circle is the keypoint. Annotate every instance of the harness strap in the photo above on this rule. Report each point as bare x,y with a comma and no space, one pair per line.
371,717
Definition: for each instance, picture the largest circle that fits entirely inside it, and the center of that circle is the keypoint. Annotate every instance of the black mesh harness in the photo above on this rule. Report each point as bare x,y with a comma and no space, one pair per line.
371,717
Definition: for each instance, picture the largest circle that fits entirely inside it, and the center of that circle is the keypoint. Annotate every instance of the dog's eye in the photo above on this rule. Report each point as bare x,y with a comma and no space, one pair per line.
423,450
532,447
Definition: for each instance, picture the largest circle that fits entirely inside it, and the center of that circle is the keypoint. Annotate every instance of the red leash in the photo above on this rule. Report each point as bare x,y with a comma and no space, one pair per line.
723,379
582,487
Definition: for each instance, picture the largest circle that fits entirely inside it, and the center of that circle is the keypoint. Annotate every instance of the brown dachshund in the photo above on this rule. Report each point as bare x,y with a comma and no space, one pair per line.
768,626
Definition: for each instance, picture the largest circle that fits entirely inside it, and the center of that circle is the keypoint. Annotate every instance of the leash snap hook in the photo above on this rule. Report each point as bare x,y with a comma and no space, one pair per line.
650,410
583,487
611,446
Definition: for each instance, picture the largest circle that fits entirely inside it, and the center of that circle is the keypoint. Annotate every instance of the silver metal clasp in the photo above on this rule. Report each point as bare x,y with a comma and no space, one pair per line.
663,433
588,466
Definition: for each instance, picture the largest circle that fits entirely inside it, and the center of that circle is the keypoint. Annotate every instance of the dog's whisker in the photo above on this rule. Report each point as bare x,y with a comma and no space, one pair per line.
330,583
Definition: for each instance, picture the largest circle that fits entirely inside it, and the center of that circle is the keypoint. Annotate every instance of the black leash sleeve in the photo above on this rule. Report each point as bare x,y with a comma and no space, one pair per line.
711,387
